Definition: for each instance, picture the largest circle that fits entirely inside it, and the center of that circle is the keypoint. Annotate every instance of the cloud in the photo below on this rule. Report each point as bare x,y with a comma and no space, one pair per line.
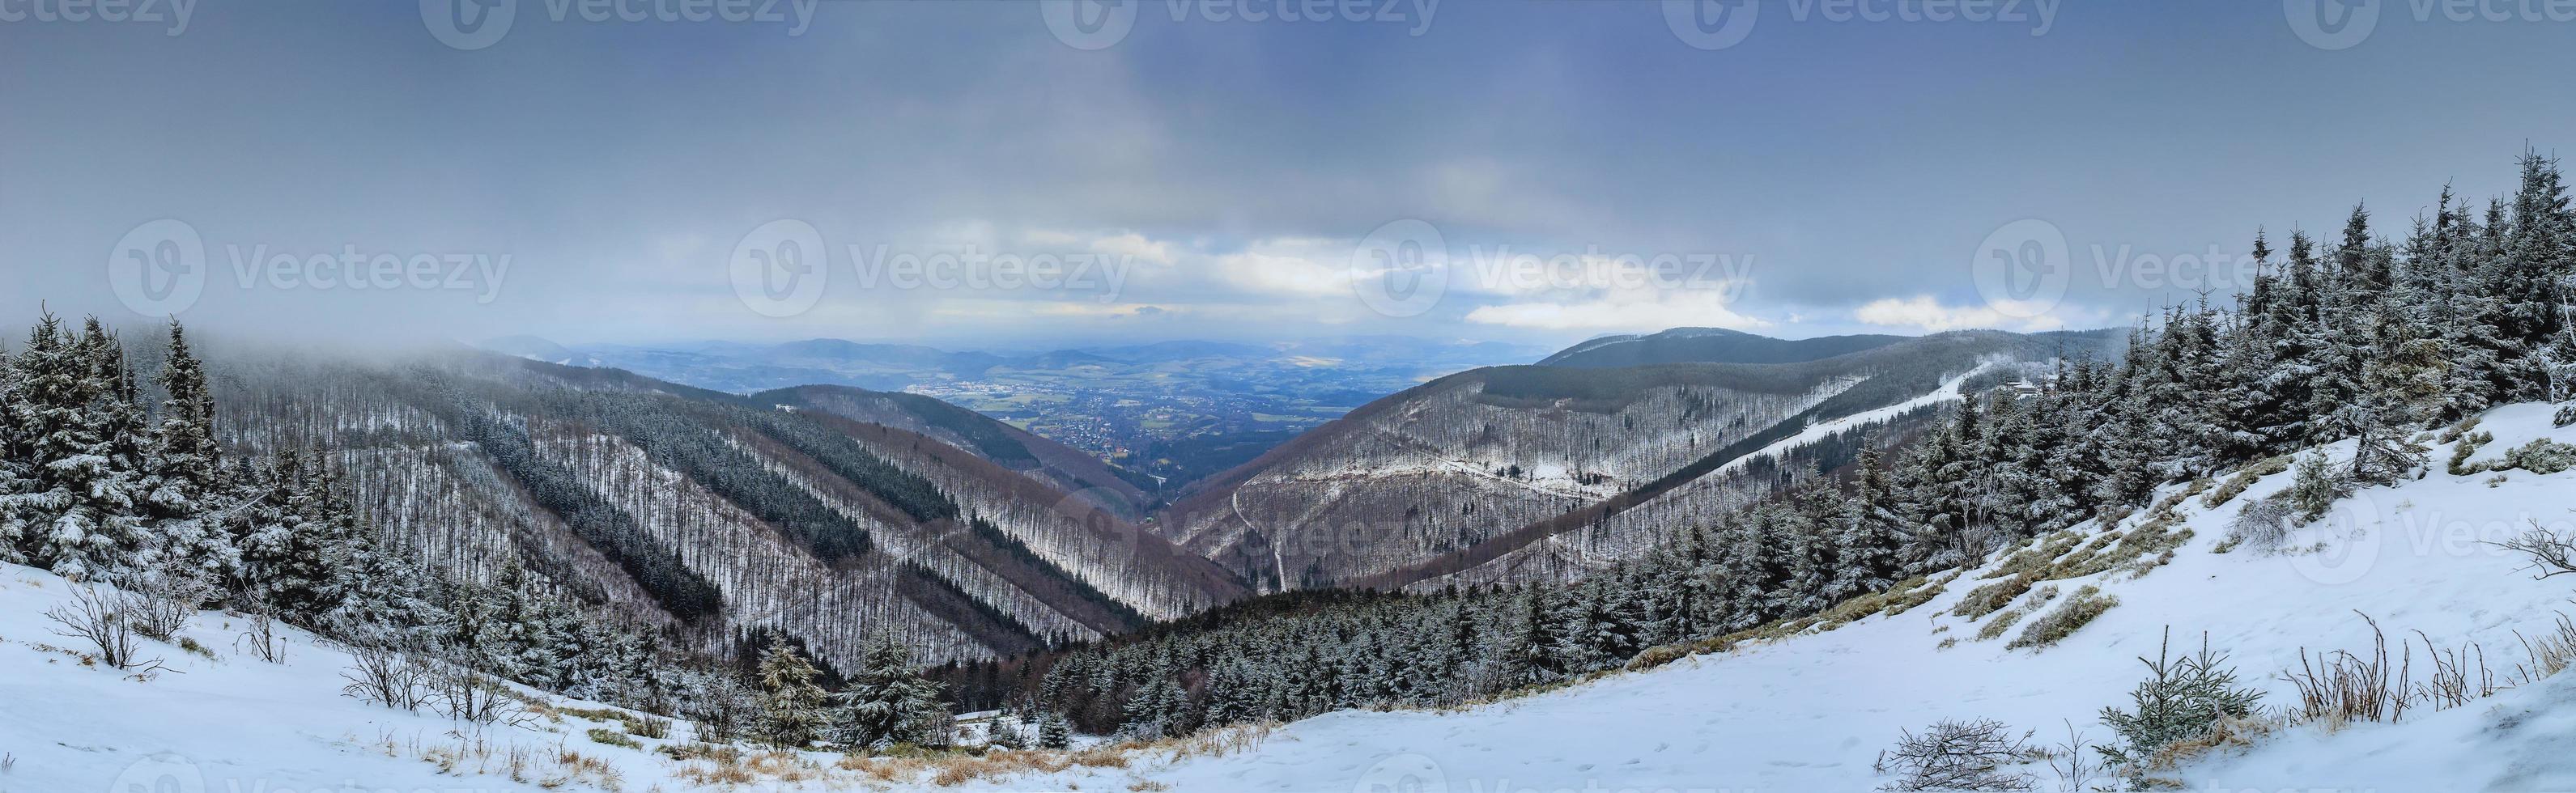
1136,245
1621,311
1921,311
1288,267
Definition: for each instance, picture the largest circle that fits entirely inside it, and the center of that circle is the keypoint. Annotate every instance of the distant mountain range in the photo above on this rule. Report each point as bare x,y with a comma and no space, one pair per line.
1164,413
1708,345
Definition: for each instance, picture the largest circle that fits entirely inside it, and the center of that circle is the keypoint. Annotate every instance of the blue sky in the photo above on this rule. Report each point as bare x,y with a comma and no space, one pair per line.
1580,167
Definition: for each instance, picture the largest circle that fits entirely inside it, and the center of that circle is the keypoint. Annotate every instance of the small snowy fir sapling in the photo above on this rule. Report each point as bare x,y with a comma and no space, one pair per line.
2182,698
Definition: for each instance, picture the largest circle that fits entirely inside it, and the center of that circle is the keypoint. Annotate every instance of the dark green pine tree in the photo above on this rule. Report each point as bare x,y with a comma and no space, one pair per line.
1054,730
1867,532
792,705
16,480
886,701
183,468
78,515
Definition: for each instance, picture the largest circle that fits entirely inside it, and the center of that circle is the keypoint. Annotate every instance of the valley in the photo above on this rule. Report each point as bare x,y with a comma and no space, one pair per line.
1168,413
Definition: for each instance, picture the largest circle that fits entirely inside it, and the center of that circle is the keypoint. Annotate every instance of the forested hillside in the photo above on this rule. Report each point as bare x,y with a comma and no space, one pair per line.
723,515
1475,473
1063,467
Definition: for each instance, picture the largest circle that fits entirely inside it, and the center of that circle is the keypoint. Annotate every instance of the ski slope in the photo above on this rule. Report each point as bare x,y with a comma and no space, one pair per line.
1817,432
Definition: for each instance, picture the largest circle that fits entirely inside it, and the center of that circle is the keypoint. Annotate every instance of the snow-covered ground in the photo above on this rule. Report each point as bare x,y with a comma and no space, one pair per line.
1811,713
1806,713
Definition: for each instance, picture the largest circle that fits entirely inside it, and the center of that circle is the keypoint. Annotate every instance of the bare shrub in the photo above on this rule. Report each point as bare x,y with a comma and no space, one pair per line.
260,634
462,694
1973,755
383,676
2263,522
160,602
723,710
102,617
2552,554
2068,760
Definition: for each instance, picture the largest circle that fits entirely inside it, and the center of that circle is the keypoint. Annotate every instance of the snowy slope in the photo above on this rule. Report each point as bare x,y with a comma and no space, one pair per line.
1812,712
235,723
1809,712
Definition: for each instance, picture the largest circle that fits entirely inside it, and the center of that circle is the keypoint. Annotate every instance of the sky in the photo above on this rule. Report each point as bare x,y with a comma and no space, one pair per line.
1023,173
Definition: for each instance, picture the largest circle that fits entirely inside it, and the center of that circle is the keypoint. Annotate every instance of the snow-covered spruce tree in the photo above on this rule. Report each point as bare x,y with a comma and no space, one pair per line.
16,480
794,709
1528,653
887,702
1054,731
1157,708
283,545
182,472
75,512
